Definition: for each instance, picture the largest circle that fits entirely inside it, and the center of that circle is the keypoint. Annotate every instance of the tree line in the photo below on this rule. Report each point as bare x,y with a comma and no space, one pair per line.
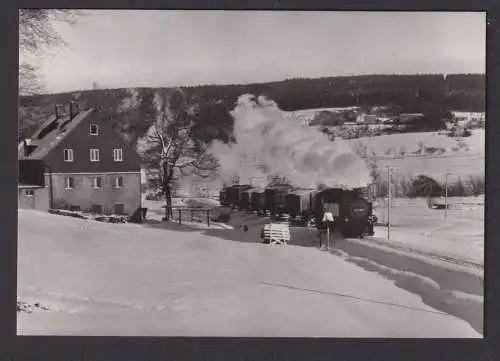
433,95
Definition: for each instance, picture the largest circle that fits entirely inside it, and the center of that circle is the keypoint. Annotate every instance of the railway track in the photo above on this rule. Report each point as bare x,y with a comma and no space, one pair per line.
445,258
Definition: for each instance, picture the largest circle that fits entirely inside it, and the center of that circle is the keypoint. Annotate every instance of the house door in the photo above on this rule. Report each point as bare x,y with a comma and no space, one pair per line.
119,209
96,208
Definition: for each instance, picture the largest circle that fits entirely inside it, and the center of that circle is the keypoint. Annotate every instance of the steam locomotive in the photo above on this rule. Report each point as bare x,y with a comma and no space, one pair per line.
354,213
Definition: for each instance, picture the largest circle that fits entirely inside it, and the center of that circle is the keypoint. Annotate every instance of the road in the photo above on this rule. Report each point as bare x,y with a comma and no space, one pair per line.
131,280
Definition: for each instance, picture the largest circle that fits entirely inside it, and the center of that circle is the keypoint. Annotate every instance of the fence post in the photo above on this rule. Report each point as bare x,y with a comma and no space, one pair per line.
446,195
389,203
208,217
327,235
180,216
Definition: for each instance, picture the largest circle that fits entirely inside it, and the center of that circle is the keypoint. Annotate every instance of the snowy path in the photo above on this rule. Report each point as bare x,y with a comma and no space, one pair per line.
105,279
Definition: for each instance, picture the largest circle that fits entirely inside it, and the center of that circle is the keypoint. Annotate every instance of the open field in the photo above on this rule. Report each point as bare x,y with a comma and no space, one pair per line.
414,224
395,144
108,279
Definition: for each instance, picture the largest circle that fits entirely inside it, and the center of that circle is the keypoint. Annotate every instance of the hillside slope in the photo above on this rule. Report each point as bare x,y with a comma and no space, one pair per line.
105,279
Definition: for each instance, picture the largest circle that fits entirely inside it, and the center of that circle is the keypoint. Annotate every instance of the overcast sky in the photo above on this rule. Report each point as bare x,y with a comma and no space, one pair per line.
131,48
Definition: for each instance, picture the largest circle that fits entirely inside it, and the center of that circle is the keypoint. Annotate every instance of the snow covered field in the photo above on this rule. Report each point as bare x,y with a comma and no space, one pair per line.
110,279
414,224
463,157
410,142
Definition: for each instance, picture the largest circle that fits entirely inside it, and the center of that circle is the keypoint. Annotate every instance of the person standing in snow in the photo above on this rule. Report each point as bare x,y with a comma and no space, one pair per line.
328,222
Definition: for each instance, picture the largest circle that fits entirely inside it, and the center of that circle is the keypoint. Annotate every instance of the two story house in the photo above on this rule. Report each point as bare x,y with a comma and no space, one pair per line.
76,161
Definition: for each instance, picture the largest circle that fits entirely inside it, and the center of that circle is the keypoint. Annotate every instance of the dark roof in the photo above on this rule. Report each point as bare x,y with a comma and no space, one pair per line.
51,133
302,191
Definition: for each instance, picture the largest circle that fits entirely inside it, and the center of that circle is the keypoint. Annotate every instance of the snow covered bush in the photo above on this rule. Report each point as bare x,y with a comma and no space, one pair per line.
434,150
221,214
154,195
65,212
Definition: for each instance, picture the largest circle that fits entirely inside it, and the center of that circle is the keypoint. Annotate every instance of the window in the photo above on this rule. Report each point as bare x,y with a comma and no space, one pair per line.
96,182
69,183
94,129
74,208
118,182
94,155
118,155
29,193
68,155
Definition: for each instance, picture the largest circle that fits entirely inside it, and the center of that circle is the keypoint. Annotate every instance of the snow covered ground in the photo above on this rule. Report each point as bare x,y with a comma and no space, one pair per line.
125,279
410,142
463,157
414,224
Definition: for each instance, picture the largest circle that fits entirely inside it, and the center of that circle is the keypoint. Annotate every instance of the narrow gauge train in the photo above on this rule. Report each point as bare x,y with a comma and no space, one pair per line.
353,211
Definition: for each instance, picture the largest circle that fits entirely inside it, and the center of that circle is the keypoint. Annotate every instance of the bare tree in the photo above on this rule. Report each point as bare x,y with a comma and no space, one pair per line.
36,33
29,80
169,147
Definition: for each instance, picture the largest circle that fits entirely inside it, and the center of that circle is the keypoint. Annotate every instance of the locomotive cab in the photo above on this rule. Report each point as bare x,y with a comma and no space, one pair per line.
354,212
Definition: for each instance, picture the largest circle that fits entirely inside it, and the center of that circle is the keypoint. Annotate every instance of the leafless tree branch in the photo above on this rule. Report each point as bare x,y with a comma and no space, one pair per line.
36,32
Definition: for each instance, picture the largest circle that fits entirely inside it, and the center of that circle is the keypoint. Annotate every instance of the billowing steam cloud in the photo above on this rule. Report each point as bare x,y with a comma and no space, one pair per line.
270,143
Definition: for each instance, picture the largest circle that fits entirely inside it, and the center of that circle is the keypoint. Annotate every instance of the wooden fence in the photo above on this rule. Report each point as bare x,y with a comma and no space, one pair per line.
189,215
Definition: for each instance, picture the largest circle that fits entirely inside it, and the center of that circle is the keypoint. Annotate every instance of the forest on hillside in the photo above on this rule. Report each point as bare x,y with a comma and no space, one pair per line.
130,111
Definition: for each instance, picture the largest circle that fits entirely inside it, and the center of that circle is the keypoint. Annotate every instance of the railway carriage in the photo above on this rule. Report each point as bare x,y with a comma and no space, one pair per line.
247,198
257,200
232,195
300,202
275,199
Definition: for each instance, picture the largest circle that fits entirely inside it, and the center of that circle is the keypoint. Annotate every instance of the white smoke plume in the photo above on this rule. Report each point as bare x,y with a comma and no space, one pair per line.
270,143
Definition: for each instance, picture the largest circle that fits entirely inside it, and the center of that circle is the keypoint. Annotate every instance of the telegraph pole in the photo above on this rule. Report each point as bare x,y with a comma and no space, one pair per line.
389,203
446,195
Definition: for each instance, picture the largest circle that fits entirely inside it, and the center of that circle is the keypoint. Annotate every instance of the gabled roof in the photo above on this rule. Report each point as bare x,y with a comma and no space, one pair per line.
302,191
52,132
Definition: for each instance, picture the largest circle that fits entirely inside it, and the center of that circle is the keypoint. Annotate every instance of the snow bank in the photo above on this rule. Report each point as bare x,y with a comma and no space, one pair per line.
449,288
130,280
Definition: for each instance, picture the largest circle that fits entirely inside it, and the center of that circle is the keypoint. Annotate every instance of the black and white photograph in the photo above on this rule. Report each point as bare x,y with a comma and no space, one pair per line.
218,173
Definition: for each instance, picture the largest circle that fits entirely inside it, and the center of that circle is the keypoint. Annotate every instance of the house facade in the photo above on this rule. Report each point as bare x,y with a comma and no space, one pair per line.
82,163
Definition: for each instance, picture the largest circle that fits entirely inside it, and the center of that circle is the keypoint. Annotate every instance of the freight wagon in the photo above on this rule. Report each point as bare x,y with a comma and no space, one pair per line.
300,202
275,199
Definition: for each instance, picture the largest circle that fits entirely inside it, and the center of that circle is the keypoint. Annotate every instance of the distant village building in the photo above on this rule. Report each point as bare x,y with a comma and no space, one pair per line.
464,118
367,118
409,117
75,161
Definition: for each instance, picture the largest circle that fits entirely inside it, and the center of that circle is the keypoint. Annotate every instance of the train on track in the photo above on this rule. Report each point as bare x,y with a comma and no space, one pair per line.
353,209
